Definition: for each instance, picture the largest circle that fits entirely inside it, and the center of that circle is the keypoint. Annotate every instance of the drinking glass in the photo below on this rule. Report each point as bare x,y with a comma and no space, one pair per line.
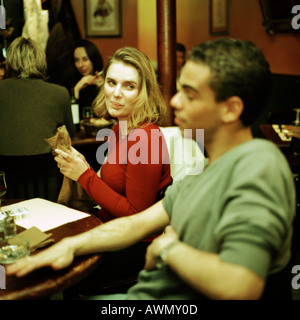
3,186
87,113
13,249
295,142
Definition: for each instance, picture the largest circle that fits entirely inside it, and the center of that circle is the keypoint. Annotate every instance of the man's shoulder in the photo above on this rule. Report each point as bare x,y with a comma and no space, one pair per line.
258,146
37,83
264,155
54,87
53,91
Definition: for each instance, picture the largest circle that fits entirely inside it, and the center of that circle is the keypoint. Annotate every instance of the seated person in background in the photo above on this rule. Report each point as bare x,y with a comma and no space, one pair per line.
31,109
228,230
2,66
180,57
129,181
89,64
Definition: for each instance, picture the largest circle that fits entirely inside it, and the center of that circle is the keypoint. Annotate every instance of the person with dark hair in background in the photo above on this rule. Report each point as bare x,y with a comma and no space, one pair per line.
180,57
88,62
228,230
2,66
180,60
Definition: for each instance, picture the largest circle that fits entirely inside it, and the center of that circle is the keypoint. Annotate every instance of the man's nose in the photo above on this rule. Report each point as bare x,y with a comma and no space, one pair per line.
175,101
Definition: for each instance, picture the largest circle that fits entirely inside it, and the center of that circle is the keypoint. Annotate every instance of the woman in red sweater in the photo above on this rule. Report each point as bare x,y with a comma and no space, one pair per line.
137,170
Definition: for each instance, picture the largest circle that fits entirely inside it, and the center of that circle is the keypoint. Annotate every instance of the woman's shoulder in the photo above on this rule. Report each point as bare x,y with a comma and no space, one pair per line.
143,129
149,127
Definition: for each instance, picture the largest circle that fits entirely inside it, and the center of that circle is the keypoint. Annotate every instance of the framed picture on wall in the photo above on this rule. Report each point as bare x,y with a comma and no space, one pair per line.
219,16
103,18
277,15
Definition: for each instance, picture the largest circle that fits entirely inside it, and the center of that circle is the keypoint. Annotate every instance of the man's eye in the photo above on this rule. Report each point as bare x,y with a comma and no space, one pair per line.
189,97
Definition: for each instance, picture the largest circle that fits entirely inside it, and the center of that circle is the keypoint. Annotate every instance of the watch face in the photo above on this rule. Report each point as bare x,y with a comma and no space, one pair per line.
160,263
164,252
164,255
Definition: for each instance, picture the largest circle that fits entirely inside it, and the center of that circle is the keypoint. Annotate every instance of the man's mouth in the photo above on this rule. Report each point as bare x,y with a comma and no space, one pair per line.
178,120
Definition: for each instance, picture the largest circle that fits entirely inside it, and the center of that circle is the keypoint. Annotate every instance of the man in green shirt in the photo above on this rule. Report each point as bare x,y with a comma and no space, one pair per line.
227,231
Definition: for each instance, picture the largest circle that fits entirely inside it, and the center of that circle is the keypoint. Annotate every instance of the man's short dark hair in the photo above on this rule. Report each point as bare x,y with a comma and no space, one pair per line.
238,69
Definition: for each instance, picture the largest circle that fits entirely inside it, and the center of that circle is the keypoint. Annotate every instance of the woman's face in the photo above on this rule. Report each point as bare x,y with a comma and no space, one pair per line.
82,62
121,89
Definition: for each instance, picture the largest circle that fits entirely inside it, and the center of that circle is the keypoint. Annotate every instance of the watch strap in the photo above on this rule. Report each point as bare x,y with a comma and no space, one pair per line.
163,255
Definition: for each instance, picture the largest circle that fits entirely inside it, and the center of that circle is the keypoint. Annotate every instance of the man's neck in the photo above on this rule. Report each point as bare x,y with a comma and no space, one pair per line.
225,140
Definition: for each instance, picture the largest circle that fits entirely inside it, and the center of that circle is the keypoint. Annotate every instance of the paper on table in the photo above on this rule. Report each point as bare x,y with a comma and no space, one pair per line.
45,214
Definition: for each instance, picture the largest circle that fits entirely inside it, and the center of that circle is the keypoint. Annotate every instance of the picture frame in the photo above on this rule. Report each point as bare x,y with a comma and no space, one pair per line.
277,15
103,18
219,17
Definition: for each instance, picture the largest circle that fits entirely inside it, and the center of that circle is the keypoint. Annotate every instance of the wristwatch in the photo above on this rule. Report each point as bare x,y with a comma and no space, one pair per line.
163,255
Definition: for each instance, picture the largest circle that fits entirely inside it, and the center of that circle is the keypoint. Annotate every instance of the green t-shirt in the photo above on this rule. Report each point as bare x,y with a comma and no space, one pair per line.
241,207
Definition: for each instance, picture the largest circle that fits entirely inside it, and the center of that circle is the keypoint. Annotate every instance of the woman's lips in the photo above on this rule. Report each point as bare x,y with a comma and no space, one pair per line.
116,105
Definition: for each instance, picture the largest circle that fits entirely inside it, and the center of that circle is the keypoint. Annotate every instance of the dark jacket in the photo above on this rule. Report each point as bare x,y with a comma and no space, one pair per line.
30,111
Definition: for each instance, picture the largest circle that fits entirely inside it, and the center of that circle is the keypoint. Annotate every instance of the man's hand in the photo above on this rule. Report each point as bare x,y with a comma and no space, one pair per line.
57,257
157,245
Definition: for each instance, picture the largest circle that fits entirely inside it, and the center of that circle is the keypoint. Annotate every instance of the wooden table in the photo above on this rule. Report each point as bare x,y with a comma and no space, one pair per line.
270,134
44,282
81,139
285,146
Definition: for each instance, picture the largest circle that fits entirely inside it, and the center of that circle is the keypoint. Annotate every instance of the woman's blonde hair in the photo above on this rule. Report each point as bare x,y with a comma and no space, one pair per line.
149,106
26,59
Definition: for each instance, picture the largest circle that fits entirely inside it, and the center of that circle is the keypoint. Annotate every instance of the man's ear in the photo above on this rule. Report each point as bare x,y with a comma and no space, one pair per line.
232,109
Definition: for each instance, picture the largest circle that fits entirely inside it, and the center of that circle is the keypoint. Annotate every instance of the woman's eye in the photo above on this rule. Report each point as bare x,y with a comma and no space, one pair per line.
110,82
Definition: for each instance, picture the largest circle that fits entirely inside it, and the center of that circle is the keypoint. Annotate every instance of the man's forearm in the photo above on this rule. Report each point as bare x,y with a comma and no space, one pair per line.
213,277
122,232
110,236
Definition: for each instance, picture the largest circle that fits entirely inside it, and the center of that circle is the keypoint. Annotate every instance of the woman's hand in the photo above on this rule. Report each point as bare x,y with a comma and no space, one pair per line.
72,164
87,81
98,79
